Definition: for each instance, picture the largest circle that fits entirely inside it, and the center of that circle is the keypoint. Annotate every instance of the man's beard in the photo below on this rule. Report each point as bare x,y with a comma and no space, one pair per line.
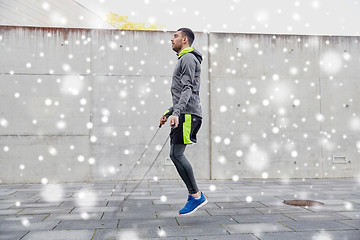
176,49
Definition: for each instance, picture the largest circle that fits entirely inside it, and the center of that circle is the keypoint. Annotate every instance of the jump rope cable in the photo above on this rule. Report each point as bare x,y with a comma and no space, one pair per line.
147,171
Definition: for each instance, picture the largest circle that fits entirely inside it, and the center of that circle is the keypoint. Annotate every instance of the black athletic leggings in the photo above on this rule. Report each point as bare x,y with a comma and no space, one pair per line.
183,167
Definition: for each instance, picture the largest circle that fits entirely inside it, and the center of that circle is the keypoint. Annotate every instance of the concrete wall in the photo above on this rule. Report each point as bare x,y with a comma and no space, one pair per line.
289,104
80,105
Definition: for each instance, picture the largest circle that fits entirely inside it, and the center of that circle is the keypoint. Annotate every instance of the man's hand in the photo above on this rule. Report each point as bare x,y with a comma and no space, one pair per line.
174,121
163,120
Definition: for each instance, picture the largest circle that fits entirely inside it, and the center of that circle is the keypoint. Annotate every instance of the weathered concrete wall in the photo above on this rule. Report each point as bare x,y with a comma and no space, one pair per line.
289,105
80,105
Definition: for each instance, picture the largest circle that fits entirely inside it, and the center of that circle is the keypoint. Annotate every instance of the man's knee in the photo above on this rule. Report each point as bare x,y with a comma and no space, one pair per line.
174,156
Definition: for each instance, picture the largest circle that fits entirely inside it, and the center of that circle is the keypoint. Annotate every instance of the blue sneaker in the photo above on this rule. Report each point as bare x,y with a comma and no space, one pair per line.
193,204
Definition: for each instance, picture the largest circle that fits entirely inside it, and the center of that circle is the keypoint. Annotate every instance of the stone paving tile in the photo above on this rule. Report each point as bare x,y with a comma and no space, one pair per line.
6,235
209,220
357,201
117,203
333,201
353,223
353,215
9,211
114,198
315,225
138,223
292,236
137,202
259,218
165,238
93,209
200,212
60,235
5,205
233,211
282,209
129,215
31,218
226,205
25,224
172,201
268,201
87,224
315,216
343,235
152,208
167,191
13,200
126,233
44,210
209,205
199,229
224,237
335,208
218,198
255,228
26,191
340,195
72,204
35,205
74,216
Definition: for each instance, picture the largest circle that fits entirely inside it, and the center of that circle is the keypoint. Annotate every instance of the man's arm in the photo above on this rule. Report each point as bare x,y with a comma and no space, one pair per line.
168,112
166,115
188,66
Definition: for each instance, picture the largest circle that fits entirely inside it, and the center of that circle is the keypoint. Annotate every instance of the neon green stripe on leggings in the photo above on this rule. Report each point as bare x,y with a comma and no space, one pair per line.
187,129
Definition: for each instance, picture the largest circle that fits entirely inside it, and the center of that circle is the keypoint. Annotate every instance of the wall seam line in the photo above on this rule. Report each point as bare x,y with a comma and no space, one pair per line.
320,109
210,113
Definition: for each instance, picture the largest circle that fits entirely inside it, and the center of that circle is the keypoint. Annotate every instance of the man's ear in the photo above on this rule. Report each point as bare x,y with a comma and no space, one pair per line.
185,40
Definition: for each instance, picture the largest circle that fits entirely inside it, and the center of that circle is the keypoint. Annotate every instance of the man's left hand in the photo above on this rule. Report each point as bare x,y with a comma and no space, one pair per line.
174,121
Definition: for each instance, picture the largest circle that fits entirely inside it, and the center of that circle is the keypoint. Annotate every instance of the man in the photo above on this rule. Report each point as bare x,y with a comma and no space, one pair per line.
185,114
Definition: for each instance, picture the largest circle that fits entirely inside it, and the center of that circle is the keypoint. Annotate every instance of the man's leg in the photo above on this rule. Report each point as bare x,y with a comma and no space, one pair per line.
195,199
183,167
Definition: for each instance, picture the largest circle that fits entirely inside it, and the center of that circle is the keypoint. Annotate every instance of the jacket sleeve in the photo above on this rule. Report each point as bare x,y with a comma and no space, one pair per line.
168,112
188,66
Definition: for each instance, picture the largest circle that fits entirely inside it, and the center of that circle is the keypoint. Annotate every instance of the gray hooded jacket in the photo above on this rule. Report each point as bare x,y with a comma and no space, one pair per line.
185,87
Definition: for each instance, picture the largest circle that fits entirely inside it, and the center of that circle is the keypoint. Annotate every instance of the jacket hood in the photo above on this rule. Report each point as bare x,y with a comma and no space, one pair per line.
193,51
197,55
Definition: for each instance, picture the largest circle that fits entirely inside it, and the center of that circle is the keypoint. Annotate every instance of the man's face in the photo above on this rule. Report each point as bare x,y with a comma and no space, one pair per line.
177,41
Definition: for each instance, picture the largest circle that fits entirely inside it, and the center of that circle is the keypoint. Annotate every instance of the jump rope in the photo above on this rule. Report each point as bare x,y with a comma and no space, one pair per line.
147,171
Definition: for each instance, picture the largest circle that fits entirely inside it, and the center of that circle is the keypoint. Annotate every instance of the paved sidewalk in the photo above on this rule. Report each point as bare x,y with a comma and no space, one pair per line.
246,210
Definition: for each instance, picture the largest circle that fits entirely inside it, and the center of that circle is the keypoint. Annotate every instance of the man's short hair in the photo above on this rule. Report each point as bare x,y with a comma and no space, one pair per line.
189,34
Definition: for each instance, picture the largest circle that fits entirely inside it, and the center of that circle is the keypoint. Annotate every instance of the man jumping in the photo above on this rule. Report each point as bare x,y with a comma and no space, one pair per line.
185,114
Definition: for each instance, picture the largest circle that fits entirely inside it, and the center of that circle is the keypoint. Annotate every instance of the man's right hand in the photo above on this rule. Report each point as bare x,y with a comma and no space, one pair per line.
163,120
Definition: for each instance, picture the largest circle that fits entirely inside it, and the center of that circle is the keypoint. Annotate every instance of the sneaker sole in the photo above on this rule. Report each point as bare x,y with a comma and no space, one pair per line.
201,205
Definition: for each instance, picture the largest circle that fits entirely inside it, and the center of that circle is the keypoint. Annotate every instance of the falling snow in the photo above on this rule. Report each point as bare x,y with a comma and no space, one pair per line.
274,106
